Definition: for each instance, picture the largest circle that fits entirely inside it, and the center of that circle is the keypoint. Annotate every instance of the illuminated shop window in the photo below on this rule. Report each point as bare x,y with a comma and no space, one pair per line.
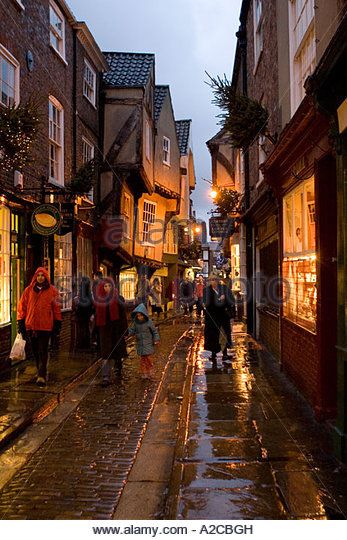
5,252
127,284
299,262
63,268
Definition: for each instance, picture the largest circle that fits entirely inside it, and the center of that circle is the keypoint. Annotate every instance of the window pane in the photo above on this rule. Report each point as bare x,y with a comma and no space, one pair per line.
298,232
288,224
310,217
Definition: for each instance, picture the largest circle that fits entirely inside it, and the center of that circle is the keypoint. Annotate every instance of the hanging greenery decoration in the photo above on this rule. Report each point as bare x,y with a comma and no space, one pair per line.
242,117
85,178
190,252
18,129
228,202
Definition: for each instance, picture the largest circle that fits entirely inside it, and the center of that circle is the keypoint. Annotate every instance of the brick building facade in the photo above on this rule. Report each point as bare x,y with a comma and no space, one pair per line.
43,51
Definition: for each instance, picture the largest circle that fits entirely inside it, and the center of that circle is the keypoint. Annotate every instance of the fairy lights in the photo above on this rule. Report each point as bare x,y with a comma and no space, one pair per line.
18,128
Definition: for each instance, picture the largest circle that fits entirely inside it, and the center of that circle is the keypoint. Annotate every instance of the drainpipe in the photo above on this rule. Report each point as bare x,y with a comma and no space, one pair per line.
242,37
74,160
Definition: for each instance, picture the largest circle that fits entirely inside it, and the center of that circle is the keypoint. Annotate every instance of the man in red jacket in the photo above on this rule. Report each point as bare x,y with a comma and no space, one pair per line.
39,317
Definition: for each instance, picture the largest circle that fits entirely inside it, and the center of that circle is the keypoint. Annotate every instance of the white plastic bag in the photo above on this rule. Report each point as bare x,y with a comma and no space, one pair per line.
18,348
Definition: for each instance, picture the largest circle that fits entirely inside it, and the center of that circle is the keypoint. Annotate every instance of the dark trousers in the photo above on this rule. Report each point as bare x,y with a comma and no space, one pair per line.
39,344
199,306
226,327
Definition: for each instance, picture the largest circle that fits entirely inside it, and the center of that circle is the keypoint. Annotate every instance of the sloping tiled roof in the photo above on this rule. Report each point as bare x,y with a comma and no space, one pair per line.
128,69
183,130
160,93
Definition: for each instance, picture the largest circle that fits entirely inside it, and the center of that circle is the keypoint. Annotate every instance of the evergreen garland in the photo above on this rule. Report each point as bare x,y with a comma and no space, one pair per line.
243,118
18,129
85,177
228,202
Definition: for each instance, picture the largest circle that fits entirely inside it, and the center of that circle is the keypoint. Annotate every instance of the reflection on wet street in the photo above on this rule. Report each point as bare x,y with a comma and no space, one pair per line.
253,450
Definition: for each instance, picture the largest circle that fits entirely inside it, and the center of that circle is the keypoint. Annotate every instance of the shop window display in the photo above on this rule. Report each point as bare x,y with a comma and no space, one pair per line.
5,257
299,261
127,285
63,268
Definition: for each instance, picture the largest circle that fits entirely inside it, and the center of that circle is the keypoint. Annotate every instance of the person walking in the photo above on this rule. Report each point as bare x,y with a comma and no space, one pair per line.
187,295
199,291
217,302
146,336
83,310
111,321
39,319
156,297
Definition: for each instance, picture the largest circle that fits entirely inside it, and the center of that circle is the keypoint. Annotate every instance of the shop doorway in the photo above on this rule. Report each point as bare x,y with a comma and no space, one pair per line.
17,267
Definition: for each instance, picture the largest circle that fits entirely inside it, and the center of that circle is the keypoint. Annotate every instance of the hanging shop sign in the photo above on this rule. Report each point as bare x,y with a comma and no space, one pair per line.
46,219
222,227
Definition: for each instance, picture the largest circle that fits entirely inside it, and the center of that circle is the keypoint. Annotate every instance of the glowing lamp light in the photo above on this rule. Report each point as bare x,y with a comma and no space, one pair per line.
197,229
186,229
214,193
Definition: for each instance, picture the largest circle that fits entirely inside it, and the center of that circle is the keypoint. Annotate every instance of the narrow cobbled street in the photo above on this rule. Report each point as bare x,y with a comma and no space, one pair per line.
205,440
80,470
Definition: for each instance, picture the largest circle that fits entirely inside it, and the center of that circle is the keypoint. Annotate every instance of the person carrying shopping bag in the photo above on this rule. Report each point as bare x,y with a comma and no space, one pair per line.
39,319
146,336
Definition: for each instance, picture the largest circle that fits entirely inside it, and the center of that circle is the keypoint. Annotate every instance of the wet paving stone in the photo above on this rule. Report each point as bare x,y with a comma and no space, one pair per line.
254,450
80,470
259,503
226,449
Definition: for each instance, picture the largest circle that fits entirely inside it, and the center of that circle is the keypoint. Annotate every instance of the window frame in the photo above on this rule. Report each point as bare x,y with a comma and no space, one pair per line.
10,59
127,201
86,142
61,51
19,4
60,181
146,233
148,141
87,65
166,151
301,39
63,242
258,37
301,190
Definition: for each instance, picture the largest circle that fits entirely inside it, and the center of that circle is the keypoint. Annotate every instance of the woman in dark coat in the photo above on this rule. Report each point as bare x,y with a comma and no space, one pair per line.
112,323
84,309
218,304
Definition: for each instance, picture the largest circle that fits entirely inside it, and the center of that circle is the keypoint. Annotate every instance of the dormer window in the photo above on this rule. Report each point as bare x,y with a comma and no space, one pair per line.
57,29
166,151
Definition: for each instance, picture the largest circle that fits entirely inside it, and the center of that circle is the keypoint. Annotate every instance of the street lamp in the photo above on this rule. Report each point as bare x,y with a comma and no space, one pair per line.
197,229
214,193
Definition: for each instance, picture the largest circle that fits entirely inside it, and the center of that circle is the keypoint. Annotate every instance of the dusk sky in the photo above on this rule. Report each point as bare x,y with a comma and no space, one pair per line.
188,38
